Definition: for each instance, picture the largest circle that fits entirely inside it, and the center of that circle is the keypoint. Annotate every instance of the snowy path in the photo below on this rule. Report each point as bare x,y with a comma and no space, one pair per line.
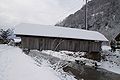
15,65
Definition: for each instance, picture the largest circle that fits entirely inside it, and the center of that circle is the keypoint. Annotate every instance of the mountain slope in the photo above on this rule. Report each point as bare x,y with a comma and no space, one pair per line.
103,16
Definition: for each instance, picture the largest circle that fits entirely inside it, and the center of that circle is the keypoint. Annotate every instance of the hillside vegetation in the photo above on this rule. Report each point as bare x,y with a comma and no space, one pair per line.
103,16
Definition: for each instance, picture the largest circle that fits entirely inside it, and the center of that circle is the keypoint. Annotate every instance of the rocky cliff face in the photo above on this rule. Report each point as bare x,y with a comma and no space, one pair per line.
103,16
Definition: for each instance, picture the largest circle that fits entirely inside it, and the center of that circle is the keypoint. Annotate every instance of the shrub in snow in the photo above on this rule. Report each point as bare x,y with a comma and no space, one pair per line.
52,62
6,35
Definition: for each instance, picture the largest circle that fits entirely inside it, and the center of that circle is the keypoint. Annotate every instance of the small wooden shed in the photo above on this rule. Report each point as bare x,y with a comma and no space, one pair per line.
117,38
46,37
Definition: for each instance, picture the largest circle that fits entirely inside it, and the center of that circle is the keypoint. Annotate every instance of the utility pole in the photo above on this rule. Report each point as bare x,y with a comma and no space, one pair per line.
86,25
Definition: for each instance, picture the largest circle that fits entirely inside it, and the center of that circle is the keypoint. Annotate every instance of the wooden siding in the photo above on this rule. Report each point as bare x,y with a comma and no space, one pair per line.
118,44
118,41
42,43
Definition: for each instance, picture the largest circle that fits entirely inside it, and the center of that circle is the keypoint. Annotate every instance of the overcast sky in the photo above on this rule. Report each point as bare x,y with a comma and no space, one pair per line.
47,12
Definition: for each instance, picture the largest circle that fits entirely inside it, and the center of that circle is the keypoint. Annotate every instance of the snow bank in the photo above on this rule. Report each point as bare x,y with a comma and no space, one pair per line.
54,63
107,48
110,67
71,56
15,65
111,61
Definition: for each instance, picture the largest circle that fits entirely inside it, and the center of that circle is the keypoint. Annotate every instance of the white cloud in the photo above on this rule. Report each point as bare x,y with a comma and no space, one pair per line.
37,11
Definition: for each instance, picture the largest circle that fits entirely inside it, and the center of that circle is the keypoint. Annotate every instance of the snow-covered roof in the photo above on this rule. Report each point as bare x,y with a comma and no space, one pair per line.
17,39
55,31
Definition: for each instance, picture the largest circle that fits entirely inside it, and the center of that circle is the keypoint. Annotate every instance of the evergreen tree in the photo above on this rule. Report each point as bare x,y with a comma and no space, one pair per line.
5,34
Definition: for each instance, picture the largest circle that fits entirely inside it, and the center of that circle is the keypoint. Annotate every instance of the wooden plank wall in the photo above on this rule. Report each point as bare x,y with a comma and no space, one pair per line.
60,44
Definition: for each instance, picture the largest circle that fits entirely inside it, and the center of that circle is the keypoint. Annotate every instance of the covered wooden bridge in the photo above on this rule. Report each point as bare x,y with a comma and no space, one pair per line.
45,37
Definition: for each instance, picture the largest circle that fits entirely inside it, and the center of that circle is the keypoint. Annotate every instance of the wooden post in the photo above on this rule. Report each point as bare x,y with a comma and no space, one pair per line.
86,25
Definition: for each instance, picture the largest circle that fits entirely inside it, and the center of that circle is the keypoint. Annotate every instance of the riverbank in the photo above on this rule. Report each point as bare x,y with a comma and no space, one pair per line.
110,62
15,65
79,71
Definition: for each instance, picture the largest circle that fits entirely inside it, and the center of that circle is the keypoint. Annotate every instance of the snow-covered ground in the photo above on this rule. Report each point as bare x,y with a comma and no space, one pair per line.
71,56
15,65
110,63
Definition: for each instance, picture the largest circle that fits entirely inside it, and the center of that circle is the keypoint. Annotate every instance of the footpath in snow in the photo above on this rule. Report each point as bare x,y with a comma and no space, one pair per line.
15,65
